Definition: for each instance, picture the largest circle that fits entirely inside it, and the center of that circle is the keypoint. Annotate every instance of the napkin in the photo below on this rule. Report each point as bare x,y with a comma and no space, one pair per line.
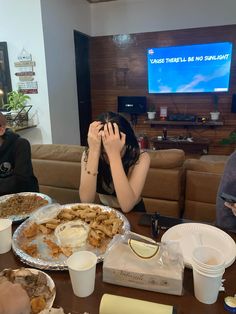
112,304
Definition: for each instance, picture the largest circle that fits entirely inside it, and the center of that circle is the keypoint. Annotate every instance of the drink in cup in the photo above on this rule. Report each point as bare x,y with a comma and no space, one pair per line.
82,269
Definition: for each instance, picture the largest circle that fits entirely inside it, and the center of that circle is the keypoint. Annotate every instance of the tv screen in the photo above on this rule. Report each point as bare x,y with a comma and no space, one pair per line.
189,69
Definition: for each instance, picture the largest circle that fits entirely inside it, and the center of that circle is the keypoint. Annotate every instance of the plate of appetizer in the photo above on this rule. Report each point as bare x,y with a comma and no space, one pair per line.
20,206
54,232
39,286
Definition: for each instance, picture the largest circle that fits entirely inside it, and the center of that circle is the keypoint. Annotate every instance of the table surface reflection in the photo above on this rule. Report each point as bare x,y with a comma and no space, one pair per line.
184,304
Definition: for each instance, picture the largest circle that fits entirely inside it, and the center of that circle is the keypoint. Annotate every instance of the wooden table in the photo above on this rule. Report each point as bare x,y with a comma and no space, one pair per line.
186,304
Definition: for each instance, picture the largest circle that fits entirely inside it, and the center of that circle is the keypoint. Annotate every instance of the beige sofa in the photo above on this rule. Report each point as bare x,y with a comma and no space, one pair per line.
57,168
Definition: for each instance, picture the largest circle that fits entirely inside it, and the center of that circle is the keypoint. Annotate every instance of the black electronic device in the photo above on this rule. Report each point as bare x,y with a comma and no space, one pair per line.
182,117
164,222
233,105
132,104
228,198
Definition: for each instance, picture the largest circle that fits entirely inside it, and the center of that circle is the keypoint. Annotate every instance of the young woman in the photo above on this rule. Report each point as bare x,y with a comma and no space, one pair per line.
113,165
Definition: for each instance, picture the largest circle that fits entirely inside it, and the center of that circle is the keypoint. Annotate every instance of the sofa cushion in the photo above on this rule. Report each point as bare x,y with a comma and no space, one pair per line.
167,158
163,184
57,173
60,152
204,166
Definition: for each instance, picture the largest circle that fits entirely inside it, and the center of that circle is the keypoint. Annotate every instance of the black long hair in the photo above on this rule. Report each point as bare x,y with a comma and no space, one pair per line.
132,150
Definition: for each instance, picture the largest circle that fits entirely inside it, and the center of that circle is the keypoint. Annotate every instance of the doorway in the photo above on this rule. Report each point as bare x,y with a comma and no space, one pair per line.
82,43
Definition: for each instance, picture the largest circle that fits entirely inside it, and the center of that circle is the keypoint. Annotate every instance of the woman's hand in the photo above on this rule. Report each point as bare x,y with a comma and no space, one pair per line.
113,141
94,135
13,299
231,206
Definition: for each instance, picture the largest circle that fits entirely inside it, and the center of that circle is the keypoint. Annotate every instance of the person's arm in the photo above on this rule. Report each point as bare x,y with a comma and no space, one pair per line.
231,206
89,167
13,299
128,189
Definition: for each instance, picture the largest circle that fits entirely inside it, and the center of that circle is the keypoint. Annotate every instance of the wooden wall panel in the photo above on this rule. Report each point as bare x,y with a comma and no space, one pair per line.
120,69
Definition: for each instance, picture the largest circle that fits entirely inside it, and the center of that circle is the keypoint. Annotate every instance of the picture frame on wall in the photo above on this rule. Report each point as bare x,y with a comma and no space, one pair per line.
5,76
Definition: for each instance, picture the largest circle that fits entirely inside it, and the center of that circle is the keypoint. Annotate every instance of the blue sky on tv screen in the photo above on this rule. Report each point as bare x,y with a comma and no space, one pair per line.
189,69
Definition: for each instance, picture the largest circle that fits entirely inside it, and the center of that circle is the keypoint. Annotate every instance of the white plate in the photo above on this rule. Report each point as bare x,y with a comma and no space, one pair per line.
22,216
50,284
191,235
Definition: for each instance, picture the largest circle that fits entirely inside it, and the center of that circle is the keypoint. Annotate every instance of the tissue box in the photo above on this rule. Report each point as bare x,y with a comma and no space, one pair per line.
122,267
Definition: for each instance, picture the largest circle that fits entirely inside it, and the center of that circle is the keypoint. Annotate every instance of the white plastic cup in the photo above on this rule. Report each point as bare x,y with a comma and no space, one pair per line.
208,268
208,257
5,235
82,269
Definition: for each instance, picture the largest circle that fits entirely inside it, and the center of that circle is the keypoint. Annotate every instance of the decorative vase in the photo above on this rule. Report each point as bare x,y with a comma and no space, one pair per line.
215,115
151,115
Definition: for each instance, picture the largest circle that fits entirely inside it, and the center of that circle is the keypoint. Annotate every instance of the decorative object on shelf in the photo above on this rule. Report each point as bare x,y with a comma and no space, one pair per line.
163,112
151,112
18,108
25,73
16,100
215,114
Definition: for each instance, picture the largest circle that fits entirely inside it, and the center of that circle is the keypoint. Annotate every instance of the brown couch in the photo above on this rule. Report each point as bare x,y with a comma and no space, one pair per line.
57,168
202,179
174,186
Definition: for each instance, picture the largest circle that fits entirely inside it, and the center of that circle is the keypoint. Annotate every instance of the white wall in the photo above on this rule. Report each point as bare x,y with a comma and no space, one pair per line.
60,18
138,16
21,27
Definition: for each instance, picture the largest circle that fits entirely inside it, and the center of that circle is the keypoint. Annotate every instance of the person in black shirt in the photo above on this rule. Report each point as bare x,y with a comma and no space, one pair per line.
16,171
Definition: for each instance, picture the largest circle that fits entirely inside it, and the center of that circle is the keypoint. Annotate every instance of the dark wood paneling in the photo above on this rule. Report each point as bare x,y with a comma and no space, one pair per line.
121,70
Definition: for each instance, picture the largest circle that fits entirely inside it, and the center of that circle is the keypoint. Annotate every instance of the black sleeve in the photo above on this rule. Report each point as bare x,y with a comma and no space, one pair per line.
22,172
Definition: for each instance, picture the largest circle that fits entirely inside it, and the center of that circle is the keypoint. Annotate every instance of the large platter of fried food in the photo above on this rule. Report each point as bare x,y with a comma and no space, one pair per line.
54,232
19,206
39,286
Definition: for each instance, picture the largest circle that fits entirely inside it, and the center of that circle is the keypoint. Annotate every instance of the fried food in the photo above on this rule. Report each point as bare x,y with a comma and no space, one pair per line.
30,249
103,225
31,231
55,249
21,204
37,304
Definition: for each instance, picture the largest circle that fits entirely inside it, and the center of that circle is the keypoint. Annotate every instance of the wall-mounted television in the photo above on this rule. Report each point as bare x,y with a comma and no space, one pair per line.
194,68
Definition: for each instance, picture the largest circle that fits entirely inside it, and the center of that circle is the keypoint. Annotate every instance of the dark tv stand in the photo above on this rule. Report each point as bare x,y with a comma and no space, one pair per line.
189,146
210,123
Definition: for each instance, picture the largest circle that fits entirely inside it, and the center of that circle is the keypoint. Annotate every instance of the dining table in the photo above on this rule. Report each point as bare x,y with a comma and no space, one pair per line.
184,304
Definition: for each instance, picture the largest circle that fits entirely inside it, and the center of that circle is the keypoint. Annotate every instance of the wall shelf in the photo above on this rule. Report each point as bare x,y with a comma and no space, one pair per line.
184,123
20,128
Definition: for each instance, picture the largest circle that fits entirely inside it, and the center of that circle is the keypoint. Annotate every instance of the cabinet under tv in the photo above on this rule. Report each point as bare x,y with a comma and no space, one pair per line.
184,123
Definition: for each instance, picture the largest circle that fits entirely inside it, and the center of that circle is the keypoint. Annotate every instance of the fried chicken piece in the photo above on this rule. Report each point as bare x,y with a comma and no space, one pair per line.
31,231
37,304
30,249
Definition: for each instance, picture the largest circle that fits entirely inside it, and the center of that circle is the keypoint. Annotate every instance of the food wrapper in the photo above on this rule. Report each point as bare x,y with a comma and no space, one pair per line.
127,262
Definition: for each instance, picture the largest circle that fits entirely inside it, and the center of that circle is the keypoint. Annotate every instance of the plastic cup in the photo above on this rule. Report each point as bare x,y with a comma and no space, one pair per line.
208,268
5,235
82,267
208,257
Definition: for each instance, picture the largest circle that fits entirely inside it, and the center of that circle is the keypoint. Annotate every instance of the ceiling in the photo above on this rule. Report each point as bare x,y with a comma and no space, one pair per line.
97,1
